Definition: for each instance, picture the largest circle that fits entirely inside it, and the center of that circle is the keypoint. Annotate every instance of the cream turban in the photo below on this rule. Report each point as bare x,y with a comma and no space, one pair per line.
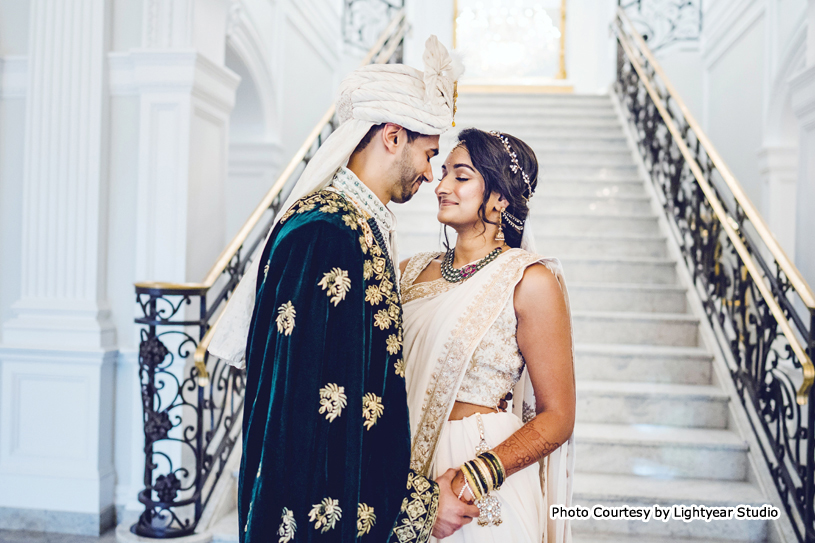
422,102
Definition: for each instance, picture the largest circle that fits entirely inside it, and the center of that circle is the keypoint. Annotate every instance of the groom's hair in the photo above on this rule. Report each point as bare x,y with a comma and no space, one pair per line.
491,159
363,143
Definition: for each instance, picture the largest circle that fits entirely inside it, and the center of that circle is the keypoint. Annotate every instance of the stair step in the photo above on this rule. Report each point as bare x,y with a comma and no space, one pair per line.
226,530
660,451
618,490
573,168
575,187
618,160
636,328
546,111
633,246
643,363
488,100
612,204
618,269
541,143
625,297
563,223
667,405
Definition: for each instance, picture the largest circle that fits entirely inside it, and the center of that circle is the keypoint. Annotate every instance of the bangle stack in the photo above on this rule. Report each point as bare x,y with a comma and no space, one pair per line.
482,475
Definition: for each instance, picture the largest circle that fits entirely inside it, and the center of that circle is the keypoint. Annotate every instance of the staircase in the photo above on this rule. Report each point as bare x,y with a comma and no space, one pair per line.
652,428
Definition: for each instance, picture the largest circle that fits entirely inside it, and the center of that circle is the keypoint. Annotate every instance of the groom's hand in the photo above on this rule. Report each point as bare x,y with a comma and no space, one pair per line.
453,513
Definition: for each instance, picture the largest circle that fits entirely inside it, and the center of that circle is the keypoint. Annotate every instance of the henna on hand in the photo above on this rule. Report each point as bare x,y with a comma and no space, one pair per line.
523,448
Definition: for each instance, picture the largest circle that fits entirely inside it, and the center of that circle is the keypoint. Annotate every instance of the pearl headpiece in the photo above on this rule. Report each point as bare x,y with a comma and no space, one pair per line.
515,166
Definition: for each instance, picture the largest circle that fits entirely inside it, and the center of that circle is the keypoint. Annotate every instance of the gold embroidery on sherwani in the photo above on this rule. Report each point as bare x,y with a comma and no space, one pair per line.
367,269
325,514
365,519
285,318
470,327
336,283
393,344
372,409
350,222
373,295
382,320
420,507
332,401
288,526
399,366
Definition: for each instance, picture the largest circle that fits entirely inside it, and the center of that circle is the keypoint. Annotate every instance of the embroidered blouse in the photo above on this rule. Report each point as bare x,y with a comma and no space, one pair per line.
497,363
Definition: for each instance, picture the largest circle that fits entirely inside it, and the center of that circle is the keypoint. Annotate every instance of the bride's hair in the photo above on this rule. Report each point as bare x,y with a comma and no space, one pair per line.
492,160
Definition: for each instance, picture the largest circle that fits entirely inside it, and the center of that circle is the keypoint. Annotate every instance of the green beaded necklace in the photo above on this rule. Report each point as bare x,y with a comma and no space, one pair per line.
453,275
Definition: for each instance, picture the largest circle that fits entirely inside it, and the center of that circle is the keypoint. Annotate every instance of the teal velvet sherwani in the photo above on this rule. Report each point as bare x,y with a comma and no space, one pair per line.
326,448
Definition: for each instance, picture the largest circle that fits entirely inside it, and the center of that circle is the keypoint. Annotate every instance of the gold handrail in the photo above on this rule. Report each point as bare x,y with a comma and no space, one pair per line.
729,227
789,268
382,50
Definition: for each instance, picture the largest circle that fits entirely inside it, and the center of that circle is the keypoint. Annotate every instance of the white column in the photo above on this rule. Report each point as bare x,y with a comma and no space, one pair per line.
56,361
778,167
803,103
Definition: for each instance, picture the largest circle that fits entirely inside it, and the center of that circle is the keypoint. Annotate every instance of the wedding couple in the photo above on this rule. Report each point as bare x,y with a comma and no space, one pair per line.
404,403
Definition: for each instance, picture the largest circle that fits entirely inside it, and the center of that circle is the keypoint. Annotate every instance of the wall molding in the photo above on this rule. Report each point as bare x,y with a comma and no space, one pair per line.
736,20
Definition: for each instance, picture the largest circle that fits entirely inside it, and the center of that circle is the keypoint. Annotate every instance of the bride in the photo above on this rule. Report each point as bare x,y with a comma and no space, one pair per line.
487,325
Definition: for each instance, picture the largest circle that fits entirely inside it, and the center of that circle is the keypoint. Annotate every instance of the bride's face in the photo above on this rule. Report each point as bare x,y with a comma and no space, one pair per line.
461,191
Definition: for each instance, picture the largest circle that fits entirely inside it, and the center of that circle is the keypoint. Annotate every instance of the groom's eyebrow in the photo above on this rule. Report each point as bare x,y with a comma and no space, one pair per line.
435,151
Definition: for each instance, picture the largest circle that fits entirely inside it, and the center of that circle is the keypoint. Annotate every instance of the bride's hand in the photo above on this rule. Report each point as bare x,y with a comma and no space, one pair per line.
453,513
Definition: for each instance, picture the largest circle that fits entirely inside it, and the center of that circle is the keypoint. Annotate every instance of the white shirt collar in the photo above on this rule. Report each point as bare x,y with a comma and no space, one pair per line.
348,183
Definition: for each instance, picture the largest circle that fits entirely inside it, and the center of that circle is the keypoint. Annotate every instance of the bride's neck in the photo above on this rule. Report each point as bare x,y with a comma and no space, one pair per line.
472,246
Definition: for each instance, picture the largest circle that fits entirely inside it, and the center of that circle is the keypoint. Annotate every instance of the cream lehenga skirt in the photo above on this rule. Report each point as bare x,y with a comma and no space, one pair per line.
522,504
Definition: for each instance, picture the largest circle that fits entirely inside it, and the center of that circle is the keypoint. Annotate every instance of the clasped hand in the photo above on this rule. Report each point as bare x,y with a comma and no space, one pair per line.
452,513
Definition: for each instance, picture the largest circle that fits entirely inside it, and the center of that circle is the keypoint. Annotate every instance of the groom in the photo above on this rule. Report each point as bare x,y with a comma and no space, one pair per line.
326,448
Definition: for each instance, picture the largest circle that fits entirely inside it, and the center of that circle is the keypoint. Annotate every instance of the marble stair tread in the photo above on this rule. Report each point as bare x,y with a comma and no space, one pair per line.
633,490
226,530
652,389
655,260
642,350
613,236
650,287
654,435
634,316
578,537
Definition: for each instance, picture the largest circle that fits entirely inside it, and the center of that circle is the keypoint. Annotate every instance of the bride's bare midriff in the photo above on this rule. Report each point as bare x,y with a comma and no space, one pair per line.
463,410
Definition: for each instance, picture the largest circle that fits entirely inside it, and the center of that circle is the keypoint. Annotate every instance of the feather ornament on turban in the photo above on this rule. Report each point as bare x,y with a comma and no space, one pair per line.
374,94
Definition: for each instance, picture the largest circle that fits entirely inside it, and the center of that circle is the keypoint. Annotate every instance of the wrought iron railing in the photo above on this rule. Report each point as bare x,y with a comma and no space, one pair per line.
756,300
193,403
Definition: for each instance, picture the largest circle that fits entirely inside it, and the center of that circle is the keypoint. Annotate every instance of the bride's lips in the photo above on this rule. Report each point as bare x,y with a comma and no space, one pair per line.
445,203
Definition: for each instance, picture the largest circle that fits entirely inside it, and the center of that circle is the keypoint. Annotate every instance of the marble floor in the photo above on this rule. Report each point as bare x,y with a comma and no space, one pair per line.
14,536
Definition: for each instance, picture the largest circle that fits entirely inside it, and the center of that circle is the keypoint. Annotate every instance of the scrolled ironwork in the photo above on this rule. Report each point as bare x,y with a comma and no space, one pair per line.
192,402
665,22
757,303
364,20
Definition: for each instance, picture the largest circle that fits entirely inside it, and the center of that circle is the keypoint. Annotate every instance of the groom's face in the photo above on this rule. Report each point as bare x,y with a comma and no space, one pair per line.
413,167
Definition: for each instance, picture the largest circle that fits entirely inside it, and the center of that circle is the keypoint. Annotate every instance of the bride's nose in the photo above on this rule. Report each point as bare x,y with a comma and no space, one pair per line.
443,187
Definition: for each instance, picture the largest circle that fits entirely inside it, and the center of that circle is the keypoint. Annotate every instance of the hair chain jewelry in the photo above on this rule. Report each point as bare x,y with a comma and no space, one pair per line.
515,166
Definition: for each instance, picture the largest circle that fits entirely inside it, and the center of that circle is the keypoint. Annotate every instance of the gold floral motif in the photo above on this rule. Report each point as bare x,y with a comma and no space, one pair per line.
337,284
306,207
285,318
400,368
325,514
382,320
393,311
365,519
393,343
330,207
288,526
367,269
372,409
379,267
350,222
332,401
373,295
376,250
386,286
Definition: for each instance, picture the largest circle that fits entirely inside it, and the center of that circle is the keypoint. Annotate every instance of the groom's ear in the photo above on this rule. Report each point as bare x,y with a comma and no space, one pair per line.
393,136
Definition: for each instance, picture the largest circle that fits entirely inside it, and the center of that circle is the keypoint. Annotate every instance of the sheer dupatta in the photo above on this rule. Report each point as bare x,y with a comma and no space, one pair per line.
443,325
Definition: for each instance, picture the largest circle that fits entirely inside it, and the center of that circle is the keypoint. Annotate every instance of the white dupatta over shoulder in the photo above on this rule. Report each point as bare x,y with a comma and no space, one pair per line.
443,325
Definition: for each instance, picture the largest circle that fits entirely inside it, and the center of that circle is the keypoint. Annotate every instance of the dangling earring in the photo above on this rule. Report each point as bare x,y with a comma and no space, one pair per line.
500,235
